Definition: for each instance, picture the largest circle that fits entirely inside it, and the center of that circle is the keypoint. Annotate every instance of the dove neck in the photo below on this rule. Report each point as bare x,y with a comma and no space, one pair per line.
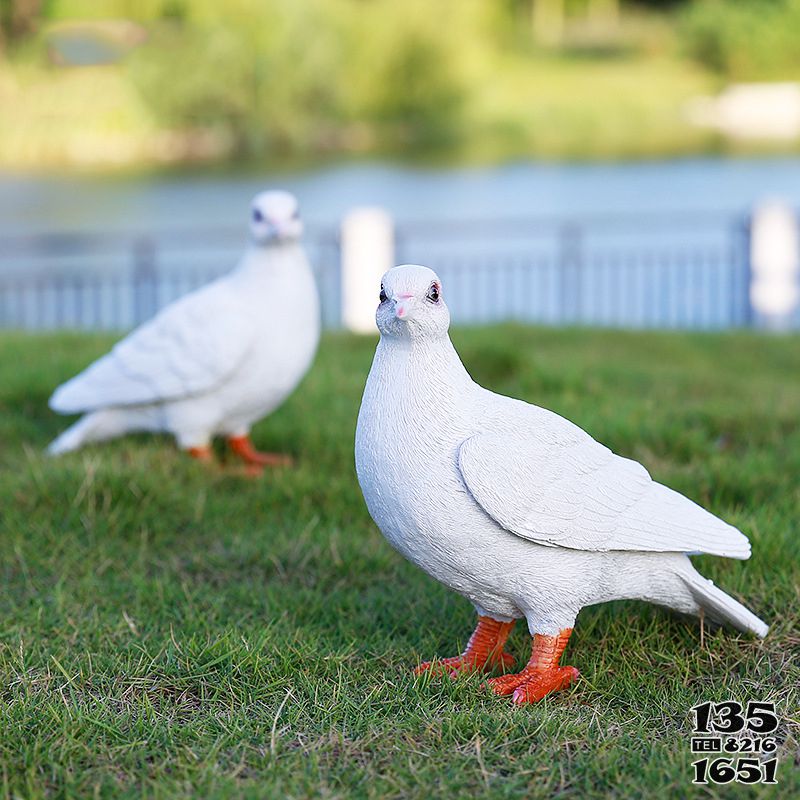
430,362
266,260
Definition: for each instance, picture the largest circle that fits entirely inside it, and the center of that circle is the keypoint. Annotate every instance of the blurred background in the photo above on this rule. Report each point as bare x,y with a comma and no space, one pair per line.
629,164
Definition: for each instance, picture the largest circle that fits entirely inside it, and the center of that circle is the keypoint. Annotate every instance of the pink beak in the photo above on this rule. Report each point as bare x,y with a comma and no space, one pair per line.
402,305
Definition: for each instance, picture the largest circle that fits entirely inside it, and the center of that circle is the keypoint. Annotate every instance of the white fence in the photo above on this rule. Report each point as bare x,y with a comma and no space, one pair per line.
681,270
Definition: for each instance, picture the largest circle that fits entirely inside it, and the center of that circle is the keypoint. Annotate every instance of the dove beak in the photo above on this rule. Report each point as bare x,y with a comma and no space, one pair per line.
402,305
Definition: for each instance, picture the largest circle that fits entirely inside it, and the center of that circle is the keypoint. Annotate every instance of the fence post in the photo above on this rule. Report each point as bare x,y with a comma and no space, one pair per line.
741,309
143,286
570,256
774,265
367,252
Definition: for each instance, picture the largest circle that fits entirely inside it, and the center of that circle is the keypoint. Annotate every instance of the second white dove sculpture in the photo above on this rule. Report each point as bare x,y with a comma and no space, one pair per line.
514,507
215,361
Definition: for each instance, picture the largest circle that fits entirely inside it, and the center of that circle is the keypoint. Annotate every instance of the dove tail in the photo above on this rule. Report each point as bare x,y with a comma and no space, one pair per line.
720,606
95,426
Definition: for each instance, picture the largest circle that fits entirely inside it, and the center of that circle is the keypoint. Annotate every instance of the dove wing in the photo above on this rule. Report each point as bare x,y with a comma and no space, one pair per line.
570,491
189,348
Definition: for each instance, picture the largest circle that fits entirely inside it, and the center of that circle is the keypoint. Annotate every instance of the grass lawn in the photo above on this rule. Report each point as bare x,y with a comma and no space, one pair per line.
569,107
170,631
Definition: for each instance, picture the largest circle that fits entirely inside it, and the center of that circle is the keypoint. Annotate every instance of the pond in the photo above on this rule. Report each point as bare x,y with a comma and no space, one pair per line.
167,201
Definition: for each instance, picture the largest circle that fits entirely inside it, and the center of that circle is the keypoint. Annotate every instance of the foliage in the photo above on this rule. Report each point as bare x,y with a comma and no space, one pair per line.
308,75
745,39
20,19
172,631
458,79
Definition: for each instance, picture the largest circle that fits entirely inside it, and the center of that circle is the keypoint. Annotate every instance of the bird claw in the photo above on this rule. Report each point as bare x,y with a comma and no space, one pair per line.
446,666
202,454
258,459
451,667
252,470
530,686
243,448
463,664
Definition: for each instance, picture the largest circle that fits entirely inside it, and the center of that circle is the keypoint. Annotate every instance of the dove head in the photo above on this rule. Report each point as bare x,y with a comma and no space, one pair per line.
411,304
275,218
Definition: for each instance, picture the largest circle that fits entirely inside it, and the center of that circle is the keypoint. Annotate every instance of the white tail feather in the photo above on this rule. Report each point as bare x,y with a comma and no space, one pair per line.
722,607
72,438
96,426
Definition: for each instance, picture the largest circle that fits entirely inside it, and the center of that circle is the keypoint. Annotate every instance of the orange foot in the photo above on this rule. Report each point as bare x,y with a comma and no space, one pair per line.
201,454
484,651
541,675
256,461
463,663
530,687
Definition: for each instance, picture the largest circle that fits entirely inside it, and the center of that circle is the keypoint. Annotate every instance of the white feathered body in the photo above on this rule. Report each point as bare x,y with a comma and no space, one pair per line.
518,509
213,362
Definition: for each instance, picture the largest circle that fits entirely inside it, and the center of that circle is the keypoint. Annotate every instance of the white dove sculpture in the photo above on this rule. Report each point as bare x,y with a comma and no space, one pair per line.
216,360
513,506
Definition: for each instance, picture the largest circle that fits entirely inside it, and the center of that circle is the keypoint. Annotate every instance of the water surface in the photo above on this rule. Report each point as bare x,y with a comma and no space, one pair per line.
166,201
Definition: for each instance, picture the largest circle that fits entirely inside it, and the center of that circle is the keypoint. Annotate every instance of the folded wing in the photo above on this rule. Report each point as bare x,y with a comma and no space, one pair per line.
573,492
189,348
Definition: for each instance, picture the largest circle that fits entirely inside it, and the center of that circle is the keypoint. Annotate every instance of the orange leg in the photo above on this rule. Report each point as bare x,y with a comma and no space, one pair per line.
542,674
201,454
484,651
243,447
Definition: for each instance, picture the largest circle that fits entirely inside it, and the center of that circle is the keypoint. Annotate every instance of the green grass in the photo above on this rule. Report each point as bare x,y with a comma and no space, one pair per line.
572,107
170,631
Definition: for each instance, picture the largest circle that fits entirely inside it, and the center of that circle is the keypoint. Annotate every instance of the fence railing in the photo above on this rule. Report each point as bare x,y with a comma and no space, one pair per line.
114,282
668,271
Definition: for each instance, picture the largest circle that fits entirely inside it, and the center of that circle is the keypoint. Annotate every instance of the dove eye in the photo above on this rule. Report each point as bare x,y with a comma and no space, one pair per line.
257,215
433,293
382,296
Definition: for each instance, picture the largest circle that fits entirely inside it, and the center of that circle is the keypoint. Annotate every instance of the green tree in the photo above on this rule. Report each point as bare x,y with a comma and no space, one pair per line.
20,19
